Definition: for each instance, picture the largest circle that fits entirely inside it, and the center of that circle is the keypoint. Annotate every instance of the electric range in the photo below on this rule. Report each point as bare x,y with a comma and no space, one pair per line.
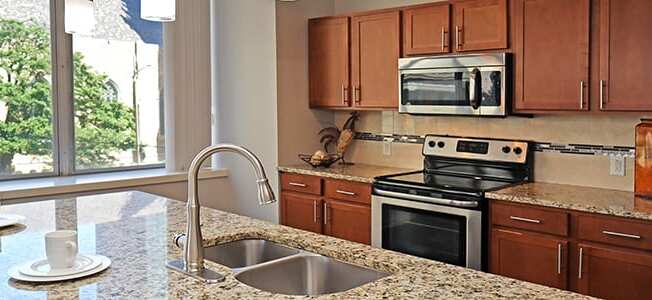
440,212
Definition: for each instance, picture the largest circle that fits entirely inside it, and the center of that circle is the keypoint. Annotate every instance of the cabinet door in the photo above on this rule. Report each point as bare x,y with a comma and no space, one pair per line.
625,48
347,221
301,211
426,30
551,74
613,273
534,258
329,62
480,25
375,48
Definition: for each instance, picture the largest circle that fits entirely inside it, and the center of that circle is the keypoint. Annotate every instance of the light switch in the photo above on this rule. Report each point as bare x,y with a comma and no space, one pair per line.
617,165
387,146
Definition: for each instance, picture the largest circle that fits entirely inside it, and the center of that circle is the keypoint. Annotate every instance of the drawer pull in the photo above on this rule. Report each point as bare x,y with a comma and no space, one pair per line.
298,184
325,213
345,193
625,235
525,220
559,259
314,211
579,268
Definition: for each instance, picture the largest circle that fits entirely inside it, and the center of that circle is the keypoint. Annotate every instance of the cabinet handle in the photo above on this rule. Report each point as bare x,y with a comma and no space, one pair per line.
297,184
625,235
558,258
344,100
582,94
579,268
314,211
457,37
525,220
345,193
325,213
443,39
602,84
356,94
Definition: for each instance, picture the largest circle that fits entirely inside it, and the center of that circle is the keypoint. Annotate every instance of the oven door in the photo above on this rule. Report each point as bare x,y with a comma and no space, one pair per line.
453,91
442,233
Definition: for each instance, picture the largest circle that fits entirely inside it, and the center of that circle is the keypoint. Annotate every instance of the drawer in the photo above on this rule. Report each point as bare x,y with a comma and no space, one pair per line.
615,231
530,218
301,183
348,191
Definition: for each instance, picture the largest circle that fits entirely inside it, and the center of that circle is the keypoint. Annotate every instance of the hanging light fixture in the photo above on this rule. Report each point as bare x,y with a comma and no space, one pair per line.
158,10
80,17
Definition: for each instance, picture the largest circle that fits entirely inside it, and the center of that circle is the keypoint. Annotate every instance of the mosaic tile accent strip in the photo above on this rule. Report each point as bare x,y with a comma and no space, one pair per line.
578,149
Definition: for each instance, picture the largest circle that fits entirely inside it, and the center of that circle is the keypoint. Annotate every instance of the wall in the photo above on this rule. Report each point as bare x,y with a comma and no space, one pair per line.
297,130
612,129
244,97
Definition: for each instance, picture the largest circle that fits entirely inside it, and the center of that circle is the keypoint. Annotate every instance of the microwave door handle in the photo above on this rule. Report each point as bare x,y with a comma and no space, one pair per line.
474,88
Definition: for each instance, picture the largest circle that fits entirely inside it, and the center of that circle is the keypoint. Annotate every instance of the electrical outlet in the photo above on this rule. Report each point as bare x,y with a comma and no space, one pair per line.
617,165
387,147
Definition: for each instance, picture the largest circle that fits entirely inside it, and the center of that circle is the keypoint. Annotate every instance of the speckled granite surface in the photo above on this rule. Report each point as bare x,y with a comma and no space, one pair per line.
357,172
586,199
135,230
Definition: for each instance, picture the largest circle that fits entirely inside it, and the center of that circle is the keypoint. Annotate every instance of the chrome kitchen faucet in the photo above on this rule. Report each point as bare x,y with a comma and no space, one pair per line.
192,263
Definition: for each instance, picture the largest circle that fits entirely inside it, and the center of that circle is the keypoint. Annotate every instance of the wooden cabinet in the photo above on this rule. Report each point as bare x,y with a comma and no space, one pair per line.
337,208
625,47
375,49
480,25
301,211
551,48
426,29
530,257
347,221
613,273
329,62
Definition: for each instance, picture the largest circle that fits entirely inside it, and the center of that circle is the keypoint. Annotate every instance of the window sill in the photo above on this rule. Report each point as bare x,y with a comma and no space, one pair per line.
43,187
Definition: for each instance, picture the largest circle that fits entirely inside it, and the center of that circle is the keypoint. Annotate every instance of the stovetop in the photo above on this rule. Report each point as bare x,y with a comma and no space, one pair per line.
423,179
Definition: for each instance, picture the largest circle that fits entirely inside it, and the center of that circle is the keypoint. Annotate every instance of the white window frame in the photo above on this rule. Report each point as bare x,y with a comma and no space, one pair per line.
63,126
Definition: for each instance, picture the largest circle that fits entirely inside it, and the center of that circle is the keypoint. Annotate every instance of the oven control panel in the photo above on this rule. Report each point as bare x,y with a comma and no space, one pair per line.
474,148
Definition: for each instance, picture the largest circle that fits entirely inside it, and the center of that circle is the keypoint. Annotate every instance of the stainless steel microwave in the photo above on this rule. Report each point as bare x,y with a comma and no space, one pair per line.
473,85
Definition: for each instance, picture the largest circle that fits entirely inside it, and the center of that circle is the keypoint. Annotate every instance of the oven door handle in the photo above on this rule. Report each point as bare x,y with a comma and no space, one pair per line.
455,203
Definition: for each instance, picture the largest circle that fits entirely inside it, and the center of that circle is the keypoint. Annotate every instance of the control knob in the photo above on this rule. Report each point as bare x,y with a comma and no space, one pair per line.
518,150
507,149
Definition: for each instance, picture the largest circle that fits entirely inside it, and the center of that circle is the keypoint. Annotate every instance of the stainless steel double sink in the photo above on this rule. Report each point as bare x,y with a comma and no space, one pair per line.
275,268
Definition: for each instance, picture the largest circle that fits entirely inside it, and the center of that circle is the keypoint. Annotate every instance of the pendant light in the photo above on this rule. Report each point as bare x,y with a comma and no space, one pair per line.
158,10
80,17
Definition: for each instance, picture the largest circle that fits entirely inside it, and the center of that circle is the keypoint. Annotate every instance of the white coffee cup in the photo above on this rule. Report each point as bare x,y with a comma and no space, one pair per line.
61,248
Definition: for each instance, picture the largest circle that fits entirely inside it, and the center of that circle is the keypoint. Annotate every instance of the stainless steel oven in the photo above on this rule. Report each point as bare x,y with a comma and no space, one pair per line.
475,85
422,228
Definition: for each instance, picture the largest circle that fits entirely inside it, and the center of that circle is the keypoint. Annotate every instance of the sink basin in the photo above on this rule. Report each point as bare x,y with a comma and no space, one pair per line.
308,275
244,253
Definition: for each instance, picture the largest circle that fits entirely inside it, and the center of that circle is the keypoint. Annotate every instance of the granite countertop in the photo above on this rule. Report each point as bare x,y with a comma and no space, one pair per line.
135,230
357,172
586,199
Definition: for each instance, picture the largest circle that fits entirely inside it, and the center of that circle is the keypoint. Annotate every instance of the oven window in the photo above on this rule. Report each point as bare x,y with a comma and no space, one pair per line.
449,89
426,234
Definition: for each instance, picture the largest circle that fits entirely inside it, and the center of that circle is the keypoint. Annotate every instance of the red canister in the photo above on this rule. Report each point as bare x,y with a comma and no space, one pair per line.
643,164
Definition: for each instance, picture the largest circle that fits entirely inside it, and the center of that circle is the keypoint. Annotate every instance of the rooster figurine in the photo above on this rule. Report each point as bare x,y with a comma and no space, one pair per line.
342,139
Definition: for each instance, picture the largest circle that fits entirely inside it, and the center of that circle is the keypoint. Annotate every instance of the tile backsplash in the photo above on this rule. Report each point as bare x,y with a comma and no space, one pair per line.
570,149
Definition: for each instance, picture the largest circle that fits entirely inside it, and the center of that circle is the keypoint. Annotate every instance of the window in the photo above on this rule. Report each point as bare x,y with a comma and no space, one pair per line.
112,95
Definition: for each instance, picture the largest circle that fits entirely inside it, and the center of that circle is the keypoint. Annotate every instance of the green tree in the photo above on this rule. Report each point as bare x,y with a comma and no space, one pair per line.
102,127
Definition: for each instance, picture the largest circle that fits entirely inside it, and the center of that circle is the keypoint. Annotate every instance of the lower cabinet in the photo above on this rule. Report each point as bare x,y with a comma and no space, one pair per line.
529,257
337,208
347,221
301,211
612,273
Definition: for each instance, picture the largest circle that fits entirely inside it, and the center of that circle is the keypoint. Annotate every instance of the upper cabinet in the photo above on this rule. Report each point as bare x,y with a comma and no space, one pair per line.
480,25
625,47
375,49
426,29
551,74
329,62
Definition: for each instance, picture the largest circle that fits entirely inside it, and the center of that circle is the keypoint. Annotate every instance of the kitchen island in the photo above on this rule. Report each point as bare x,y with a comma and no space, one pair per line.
136,229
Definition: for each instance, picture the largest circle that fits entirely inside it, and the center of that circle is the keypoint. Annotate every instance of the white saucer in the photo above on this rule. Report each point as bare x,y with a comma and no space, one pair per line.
10,219
105,262
41,267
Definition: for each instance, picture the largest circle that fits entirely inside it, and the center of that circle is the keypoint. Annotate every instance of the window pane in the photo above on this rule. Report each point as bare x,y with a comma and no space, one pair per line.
118,89
25,88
